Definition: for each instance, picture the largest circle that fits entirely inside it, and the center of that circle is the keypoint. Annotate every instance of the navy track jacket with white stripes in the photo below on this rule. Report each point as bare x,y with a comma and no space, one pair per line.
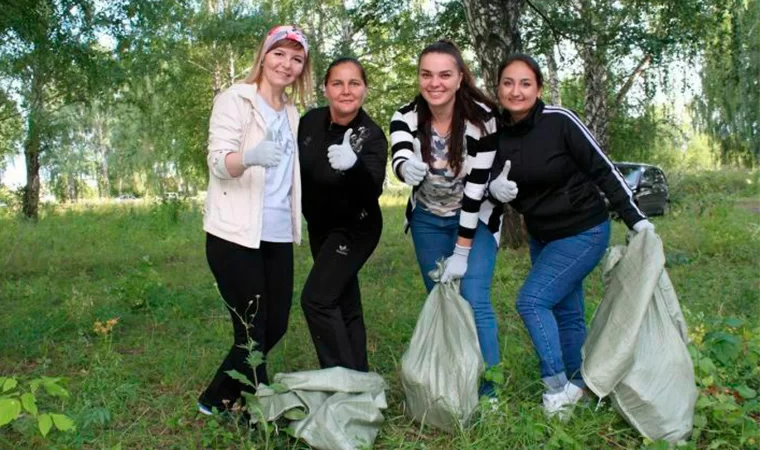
560,169
477,163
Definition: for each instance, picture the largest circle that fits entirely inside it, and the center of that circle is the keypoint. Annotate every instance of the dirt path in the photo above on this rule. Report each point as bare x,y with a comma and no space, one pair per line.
751,204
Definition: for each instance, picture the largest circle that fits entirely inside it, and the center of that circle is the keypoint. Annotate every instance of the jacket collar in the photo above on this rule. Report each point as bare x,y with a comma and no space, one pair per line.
248,92
527,122
330,125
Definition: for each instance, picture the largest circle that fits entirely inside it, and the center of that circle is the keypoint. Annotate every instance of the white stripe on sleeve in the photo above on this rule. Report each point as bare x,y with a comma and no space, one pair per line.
595,146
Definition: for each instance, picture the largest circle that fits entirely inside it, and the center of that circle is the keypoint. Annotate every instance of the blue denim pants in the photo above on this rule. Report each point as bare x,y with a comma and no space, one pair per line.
434,237
551,301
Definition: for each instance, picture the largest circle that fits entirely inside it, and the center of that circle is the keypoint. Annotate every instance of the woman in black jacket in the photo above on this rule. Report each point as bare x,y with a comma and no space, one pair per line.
342,155
559,168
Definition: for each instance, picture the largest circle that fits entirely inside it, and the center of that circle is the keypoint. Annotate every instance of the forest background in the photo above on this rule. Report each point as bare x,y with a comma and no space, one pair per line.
112,98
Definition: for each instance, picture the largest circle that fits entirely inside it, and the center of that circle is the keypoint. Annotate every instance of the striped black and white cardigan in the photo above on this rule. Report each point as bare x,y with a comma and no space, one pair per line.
481,150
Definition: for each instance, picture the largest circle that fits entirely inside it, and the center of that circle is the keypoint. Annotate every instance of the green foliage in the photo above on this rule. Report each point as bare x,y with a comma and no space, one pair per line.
706,192
49,58
652,135
625,48
726,354
141,287
729,109
143,126
11,199
726,182
11,129
20,399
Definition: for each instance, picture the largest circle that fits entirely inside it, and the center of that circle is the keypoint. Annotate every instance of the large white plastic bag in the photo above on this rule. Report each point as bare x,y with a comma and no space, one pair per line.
636,347
441,369
342,407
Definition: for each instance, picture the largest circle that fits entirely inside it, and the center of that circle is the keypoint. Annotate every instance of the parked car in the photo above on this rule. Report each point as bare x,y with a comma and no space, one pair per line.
126,198
649,186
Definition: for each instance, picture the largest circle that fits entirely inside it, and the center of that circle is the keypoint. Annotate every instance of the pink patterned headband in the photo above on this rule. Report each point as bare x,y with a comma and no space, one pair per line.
290,32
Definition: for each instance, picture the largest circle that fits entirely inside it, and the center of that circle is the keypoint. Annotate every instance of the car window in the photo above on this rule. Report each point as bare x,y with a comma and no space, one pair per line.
632,179
659,177
631,174
648,177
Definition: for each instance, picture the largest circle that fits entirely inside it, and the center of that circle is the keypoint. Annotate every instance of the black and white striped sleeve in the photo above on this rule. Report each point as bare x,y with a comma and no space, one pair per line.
481,149
403,131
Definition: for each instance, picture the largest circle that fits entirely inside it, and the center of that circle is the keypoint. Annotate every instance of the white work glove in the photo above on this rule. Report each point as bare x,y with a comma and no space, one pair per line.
642,225
501,188
455,265
342,156
414,169
267,153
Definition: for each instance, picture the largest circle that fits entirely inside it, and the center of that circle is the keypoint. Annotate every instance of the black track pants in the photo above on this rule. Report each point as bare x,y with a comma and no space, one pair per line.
331,299
257,287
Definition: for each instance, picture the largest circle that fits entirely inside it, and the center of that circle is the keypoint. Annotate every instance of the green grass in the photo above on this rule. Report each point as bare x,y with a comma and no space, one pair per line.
146,266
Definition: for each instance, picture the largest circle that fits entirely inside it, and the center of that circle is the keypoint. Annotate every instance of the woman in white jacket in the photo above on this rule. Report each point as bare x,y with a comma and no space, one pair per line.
253,206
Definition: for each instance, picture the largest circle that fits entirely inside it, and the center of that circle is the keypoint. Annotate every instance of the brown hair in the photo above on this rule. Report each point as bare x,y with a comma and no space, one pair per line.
345,60
302,90
465,108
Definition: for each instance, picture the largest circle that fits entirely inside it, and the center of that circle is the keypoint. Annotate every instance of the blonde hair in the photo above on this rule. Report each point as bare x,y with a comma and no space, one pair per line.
302,90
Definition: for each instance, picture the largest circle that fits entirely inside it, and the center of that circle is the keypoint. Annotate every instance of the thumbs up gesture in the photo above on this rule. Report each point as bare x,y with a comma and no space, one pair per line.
342,156
502,189
414,169
267,153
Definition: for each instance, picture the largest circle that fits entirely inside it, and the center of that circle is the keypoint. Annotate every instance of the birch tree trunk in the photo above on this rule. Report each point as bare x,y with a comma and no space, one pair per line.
555,95
36,122
595,81
493,25
494,31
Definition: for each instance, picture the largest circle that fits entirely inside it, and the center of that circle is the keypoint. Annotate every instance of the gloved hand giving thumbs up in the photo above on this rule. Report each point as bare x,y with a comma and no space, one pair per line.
414,169
342,156
503,189
267,153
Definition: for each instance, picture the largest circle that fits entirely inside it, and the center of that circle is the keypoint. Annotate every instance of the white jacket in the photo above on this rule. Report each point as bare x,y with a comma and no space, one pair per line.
235,206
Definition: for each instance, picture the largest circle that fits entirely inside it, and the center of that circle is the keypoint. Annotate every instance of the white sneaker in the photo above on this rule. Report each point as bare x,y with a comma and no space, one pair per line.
205,410
561,403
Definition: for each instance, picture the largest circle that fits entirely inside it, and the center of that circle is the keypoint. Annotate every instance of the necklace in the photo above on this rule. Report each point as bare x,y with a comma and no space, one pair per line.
442,135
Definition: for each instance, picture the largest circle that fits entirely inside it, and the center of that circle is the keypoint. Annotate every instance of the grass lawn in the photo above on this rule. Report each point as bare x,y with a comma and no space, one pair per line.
135,386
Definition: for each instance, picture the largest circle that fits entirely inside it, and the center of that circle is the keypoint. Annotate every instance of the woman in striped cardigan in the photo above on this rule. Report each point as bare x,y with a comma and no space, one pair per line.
443,145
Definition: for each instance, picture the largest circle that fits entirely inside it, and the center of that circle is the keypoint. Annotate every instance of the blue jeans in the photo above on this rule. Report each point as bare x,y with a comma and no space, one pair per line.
551,304
434,237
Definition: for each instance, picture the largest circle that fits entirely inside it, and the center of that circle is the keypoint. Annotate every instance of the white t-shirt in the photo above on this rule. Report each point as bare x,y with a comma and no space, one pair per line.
277,225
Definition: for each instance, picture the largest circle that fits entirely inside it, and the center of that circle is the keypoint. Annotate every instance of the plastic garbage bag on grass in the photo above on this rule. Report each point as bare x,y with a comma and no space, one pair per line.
441,369
342,407
636,346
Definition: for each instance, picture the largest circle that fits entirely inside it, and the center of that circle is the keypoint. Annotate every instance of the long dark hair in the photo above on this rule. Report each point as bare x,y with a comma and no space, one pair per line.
465,108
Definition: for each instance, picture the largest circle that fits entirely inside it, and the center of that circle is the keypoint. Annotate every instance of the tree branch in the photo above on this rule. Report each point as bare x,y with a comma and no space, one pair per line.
640,68
555,31
200,66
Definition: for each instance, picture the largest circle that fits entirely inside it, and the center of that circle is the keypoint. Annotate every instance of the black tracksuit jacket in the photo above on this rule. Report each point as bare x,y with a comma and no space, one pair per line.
343,199
560,169
345,224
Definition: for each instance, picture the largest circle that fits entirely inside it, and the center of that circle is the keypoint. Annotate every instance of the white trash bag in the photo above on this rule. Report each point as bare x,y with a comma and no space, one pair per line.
441,369
636,346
